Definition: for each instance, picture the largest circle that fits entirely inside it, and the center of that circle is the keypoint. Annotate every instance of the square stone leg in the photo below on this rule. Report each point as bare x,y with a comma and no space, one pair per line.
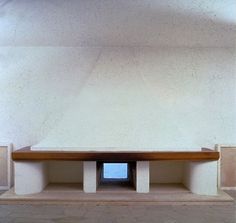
142,177
90,177
201,177
30,177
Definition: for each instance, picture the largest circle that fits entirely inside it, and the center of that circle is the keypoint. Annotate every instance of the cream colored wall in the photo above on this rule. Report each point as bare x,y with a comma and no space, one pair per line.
155,23
151,99
37,85
176,97
168,51
165,70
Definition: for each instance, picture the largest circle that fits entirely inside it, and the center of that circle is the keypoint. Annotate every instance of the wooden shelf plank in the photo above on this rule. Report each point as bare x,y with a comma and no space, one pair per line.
26,154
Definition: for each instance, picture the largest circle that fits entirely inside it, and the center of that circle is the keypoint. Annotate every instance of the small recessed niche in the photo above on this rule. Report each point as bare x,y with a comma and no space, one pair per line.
116,175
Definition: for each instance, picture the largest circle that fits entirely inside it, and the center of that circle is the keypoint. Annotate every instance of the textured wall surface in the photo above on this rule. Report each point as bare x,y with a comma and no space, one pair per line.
118,23
37,85
143,74
142,98
126,74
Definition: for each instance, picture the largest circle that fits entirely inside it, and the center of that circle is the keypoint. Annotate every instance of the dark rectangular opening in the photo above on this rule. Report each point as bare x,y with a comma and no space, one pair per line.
116,175
115,171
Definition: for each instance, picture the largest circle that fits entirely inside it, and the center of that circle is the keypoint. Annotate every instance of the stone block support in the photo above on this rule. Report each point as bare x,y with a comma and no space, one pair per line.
142,177
201,177
90,177
30,177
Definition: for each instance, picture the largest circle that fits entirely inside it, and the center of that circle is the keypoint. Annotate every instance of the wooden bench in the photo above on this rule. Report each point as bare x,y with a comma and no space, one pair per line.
31,174
27,154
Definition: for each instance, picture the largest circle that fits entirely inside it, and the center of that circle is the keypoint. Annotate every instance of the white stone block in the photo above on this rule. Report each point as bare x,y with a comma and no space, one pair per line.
30,177
142,176
201,177
90,177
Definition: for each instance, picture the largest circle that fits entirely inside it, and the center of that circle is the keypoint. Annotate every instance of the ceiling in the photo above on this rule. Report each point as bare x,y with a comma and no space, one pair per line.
172,23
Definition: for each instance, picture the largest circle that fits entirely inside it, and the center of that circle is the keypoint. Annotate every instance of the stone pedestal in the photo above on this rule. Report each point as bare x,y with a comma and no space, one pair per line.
30,177
90,177
201,177
142,177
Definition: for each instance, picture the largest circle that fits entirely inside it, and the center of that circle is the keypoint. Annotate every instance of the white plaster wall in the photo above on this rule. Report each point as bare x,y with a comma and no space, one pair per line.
169,89
131,97
118,23
152,99
37,86
181,97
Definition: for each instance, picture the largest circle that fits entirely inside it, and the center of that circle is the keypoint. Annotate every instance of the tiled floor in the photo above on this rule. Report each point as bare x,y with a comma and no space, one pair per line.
89,213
